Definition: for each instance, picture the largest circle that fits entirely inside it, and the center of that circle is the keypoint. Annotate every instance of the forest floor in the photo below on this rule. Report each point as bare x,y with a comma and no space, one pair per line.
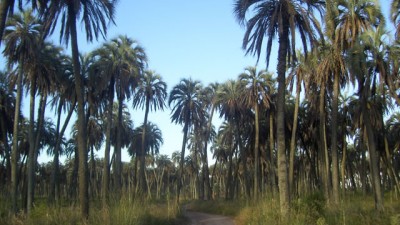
197,218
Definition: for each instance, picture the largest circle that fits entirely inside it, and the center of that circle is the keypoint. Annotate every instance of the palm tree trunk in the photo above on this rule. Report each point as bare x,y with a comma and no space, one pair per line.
293,138
182,159
31,157
256,152
344,159
229,182
208,189
143,148
271,153
55,182
79,88
117,148
374,162
284,197
14,153
39,130
106,167
243,157
323,145
334,145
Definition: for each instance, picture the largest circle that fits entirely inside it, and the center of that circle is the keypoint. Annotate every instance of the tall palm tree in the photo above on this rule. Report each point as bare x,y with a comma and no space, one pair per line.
184,99
256,93
209,100
95,15
128,60
151,94
280,19
41,76
21,37
346,20
299,73
64,101
365,65
229,99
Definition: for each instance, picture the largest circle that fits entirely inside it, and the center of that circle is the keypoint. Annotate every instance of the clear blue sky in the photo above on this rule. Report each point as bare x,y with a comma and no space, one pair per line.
182,39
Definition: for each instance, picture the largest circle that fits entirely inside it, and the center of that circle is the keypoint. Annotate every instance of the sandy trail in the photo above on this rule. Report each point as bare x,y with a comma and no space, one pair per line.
197,218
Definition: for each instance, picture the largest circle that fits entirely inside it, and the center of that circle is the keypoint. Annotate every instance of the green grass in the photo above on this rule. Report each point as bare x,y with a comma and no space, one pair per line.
310,210
122,212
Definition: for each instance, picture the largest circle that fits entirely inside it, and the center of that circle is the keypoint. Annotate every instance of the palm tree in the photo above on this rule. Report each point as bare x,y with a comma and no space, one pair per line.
365,64
229,99
279,18
95,14
256,93
152,144
150,95
21,38
347,20
186,106
7,11
129,60
209,100
299,72
64,99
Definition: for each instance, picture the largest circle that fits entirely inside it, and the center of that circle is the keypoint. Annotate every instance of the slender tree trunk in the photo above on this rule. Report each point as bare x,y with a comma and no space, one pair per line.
208,189
256,153
106,167
284,197
182,159
334,145
79,88
374,162
31,157
229,182
363,172
344,159
39,131
117,148
389,163
55,182
271,153
243,157
323,144
14,153
293,138
143,149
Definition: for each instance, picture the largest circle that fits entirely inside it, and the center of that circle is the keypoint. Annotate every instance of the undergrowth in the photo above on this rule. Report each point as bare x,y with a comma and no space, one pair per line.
123,212
309,210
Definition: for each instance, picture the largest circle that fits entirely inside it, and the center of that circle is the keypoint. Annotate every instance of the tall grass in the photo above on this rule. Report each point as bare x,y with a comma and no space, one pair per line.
354,210
123,212
309,210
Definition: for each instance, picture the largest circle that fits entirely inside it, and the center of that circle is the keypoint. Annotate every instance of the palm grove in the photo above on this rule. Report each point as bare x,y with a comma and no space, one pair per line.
286,135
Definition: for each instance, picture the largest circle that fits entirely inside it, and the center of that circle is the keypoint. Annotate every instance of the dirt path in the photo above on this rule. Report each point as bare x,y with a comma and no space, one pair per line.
197,218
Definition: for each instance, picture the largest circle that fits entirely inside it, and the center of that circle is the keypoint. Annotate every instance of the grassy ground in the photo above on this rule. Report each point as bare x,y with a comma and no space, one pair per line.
124,212
354,210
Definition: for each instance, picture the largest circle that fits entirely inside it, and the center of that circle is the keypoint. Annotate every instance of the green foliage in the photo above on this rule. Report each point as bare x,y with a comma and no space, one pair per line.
312,206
